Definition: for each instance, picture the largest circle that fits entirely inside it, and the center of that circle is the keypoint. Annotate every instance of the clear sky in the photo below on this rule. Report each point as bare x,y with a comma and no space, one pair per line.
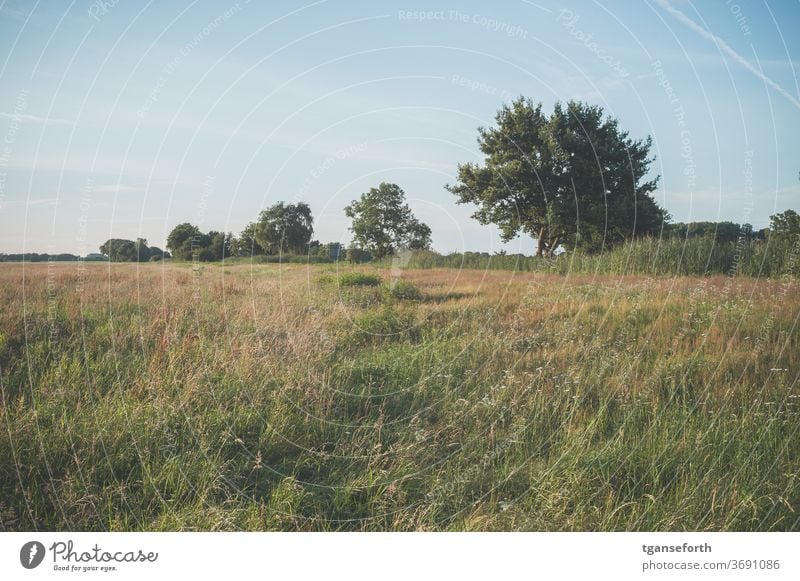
123,118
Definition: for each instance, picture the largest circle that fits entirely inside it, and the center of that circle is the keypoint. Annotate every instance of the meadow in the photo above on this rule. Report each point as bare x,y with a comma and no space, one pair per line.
168,396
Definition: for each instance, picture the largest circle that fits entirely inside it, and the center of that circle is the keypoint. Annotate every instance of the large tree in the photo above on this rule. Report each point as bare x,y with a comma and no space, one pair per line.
120,250
285,228
383,223
572,178
186,242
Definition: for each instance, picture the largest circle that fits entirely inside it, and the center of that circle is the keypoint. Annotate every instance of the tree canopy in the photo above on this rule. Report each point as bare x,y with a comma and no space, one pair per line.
383,223
573,178
185,240
285,228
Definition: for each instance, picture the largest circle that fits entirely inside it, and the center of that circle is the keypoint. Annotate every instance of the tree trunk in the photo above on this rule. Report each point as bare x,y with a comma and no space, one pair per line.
547,248
541,244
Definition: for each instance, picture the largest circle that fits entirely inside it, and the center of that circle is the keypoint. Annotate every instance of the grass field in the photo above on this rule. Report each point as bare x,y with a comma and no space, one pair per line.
292,397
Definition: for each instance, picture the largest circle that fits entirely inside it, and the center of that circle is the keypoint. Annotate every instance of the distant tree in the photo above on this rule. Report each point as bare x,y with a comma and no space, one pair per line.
186,240
358,255
220,245
572,178
120,250
383,223
334,250
143,251
246,244
785,227
285,228
156,253
718,231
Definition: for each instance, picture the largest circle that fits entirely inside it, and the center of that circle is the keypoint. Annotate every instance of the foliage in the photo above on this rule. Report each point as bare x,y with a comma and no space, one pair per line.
358,255
383,223
403,290
359,279
247,244
187,242
573,178
285,228
121,250
36,257
716,231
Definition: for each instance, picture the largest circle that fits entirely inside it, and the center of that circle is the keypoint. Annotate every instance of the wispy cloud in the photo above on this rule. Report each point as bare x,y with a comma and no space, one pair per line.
34,119
726,48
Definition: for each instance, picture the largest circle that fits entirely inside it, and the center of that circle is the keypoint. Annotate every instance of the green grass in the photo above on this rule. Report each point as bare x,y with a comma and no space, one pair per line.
265,398
650,256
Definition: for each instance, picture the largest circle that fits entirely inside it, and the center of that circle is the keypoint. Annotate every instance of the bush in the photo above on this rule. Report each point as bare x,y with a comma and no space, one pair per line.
359,279
404,291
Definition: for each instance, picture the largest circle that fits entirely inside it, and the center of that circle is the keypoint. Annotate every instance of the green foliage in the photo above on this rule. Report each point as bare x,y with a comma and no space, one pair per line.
358,255
383,223
247,244
573,178
185,240
403,290
785,229
717,231
285,228
359,279
121,250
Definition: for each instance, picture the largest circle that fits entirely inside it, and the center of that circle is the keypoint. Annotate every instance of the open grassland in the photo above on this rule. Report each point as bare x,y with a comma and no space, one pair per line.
291,397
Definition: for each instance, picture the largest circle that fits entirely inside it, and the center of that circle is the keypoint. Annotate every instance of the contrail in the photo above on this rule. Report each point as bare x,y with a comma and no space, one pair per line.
726,49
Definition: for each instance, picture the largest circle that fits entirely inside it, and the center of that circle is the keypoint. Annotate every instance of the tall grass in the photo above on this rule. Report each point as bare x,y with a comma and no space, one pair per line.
154,397
649,256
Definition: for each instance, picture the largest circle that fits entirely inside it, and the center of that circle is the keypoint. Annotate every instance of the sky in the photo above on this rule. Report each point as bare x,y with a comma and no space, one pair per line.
122,119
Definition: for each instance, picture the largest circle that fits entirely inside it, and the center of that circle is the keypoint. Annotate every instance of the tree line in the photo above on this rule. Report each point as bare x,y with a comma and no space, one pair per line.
573,180
382,223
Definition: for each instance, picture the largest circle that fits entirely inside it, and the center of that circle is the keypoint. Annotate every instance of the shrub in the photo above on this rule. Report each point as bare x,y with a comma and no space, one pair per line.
359,279
404,291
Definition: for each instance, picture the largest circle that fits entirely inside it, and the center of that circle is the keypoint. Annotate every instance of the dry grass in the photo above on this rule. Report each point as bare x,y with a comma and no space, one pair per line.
160,397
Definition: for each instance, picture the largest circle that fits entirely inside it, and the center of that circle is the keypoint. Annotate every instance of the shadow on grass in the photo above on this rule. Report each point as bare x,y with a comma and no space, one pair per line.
443,298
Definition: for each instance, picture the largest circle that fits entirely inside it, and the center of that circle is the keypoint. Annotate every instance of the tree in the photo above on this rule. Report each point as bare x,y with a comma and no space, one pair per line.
285,228
143,252
573,178
785,227
156,254
383,222
718,231
357,255
220,245
120,250
185,241
246,244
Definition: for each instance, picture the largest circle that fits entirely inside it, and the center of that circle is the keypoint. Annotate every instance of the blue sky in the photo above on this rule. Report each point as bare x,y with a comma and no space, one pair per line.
123,119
